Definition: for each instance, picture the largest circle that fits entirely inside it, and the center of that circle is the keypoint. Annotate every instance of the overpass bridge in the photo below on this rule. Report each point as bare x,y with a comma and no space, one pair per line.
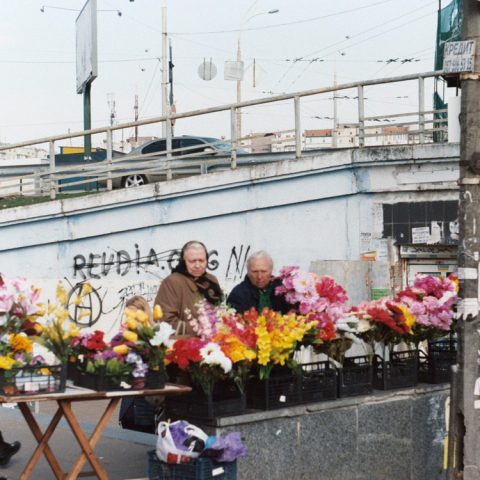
345,212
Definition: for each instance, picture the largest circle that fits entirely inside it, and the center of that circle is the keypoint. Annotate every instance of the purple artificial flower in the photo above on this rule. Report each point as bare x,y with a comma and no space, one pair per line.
232,447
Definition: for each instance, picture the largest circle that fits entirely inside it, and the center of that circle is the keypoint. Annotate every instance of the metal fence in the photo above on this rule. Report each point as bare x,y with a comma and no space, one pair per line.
418,126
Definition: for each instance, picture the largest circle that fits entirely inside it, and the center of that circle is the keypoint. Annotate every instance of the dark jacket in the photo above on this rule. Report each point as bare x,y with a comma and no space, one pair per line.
246,295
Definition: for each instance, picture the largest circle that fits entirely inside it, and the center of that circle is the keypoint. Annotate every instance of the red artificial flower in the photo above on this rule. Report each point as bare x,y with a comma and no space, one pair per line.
327,332
186,350
327,288
95,341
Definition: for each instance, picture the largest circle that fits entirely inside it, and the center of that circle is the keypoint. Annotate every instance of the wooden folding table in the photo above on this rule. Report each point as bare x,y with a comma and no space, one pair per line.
64,401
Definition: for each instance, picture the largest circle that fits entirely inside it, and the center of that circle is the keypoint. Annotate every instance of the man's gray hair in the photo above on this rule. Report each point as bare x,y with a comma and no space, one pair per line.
259,254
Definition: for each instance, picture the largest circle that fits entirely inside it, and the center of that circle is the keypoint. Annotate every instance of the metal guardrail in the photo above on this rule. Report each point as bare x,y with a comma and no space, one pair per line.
181,162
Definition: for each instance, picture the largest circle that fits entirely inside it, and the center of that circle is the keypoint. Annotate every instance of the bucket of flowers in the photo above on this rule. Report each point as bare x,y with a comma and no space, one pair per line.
209,370
58,333
391,323
323,301
432,300
149,342
23,370
278,380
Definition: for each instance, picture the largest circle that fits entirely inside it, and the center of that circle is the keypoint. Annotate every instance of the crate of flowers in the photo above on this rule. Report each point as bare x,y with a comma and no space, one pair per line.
133,359
431,300
355,376
212,374
435,366
25,366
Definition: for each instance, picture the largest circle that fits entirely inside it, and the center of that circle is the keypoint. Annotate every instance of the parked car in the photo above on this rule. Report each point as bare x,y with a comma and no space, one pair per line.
181,146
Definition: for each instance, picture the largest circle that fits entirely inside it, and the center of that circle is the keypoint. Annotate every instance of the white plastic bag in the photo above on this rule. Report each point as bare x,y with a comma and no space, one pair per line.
168,451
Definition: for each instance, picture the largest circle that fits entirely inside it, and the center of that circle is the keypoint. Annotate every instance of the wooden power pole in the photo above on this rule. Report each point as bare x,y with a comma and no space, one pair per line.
467,382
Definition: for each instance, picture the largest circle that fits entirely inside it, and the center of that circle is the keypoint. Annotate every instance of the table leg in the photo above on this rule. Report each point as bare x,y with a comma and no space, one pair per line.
87,445
42,440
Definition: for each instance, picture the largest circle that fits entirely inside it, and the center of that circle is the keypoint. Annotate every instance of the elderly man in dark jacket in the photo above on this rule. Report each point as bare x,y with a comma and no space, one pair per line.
258,288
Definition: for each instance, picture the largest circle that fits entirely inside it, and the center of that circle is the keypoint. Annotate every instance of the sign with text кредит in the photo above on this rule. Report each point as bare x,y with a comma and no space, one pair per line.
459,56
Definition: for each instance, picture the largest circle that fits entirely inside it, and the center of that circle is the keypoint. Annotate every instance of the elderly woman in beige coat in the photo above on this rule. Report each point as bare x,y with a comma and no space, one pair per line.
186,285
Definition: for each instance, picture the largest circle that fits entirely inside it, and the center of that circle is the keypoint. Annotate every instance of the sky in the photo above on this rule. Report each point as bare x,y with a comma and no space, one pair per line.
353,39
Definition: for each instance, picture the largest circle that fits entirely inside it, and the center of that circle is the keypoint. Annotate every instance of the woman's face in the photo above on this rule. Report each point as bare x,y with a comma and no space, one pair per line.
195,260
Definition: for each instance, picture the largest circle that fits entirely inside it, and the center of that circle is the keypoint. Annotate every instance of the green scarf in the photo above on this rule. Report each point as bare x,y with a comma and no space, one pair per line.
264,298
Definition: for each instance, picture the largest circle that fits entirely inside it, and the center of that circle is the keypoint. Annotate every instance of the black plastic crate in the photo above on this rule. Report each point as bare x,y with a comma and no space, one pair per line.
199,469
282,388
318,382
33,379
225,400
355,377
101,382
399,372
435,367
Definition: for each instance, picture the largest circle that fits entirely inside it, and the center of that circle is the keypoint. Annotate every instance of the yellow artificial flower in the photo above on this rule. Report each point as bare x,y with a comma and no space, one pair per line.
130,336
141,316
120,349
131,324
61,294
73,330
157,312
409,318
38,328
86,289
20,343
6,363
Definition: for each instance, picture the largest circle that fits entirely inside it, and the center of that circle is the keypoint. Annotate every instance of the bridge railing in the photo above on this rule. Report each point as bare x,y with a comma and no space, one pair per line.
418,126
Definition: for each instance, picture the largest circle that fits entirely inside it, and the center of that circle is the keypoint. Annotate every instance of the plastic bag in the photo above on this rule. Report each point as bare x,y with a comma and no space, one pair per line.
179,442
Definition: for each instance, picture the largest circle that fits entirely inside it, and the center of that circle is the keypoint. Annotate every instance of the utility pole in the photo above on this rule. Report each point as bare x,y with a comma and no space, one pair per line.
335,108
467,395
170,79
165,109
239,90
135,109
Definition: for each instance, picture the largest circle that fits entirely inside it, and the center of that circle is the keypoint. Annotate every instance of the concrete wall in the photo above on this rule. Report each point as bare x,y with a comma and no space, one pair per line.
325,207
397,435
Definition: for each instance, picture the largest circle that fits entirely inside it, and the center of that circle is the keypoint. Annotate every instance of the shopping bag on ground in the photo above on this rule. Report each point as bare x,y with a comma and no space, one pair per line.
179,442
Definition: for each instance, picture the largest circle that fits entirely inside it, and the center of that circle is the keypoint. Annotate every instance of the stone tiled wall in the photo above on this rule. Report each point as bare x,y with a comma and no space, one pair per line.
396,435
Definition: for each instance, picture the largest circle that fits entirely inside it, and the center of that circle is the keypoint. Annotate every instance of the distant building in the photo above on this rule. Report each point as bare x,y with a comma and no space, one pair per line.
22,153
314,139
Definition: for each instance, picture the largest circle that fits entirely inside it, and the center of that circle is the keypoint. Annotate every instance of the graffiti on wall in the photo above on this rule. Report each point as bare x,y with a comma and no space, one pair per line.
121,262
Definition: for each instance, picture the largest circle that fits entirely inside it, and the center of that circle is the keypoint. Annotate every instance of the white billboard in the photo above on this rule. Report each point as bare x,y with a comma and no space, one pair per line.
86,45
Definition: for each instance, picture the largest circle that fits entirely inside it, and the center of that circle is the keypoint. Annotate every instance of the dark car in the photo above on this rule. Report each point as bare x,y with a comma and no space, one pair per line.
183,148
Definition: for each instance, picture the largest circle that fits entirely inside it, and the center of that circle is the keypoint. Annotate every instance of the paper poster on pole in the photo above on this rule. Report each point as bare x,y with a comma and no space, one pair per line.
233,70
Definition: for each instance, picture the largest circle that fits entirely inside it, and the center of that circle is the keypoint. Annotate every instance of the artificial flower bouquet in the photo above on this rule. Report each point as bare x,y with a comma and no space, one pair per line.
430,300
323,301
147,340
24,367
58,334
235,336
209,370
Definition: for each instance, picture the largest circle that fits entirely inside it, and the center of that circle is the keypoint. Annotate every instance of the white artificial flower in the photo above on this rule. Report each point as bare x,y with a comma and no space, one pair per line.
162,335
363,326
212,355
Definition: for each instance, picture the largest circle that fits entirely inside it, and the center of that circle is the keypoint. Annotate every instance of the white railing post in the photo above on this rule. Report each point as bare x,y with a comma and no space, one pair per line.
233,138
109,159
53,186
361,117
421,109
168,131
298,128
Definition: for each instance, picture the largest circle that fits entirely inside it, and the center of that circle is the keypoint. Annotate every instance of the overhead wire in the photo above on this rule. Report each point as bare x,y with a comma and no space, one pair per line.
362,41
340,43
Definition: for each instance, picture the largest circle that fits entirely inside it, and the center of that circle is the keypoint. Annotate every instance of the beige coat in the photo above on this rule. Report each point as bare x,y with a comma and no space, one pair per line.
176,294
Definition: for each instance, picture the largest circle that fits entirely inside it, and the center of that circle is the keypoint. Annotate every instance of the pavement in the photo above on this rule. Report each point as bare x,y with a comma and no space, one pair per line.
123,453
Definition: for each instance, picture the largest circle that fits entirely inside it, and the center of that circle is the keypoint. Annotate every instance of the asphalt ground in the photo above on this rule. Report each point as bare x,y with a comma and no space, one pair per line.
123,453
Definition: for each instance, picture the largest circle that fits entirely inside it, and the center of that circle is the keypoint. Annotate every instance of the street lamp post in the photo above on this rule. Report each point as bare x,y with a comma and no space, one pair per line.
239,60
